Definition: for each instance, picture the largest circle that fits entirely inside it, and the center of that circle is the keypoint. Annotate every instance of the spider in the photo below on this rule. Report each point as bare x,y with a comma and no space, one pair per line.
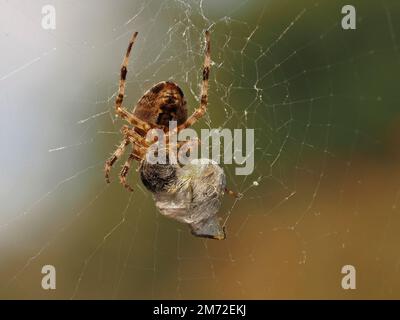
163,103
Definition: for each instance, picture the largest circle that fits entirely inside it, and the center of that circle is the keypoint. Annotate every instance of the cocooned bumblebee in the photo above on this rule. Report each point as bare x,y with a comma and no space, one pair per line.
190,194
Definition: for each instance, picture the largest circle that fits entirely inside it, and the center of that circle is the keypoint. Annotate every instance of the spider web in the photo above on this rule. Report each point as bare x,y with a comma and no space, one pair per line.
323,194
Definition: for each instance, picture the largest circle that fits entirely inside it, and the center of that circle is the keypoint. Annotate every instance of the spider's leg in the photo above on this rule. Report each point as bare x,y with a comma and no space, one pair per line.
127,166
135,121
201,110
123,113
133,136
234,194
115,156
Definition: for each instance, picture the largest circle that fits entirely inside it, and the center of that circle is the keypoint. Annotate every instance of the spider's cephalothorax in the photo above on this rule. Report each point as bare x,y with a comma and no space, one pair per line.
172,185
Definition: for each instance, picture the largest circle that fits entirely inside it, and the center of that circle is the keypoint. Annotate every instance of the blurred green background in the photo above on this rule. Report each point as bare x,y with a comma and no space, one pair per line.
325,190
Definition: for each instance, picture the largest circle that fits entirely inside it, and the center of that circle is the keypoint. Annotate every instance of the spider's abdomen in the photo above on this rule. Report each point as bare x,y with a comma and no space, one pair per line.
164,102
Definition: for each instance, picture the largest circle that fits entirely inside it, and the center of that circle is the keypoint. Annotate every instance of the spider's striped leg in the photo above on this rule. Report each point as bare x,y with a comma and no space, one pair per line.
135,121
123,113
134,137
115,156
234,194
127,166
201,110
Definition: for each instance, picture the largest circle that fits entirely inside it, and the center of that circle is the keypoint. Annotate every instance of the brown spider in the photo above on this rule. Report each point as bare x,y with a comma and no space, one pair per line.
164,102
190,194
